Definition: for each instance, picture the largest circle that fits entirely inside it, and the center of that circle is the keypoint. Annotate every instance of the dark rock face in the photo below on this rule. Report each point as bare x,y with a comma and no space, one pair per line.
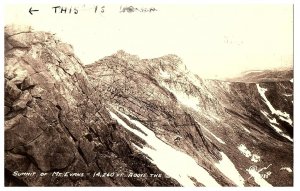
122,113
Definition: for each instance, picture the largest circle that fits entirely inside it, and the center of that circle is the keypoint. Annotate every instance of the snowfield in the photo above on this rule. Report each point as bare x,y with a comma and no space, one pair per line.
228,169
175,164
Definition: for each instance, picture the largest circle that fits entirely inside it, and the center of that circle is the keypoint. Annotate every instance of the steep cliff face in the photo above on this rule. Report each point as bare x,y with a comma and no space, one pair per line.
136,116
55,121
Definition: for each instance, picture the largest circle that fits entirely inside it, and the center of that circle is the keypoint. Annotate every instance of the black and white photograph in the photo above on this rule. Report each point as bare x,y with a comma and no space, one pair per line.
148,95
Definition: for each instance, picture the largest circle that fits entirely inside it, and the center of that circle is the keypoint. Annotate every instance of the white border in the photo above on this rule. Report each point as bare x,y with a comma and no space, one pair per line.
296,79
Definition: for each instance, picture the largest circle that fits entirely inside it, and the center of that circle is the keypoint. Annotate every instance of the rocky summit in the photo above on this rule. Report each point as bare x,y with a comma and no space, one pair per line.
126,121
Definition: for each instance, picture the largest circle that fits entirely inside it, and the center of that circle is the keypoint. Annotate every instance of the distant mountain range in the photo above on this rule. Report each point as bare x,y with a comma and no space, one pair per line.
257,76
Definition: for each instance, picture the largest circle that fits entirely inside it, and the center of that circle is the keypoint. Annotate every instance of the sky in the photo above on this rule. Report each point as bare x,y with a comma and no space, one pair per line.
213,40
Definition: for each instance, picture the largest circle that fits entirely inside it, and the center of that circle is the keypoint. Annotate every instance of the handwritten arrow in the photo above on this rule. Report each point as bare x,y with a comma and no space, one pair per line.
32,10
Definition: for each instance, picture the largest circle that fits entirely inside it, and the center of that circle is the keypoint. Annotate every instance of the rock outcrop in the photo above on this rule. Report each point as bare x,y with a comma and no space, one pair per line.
150,119
55,121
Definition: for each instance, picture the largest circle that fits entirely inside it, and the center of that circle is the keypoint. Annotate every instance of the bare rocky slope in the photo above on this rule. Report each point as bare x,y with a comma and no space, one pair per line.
147,118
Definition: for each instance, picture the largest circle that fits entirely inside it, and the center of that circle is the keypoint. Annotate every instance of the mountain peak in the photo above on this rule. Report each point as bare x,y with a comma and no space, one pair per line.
125,55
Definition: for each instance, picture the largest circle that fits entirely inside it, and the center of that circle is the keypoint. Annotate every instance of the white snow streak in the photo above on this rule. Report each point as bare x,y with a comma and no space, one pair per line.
228,169
279,131
273,124
207,138
282,115
246,130
217,138
287,169
176,164
292,80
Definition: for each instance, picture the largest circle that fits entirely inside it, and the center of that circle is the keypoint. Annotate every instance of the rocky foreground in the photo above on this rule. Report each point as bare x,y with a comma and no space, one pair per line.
126,121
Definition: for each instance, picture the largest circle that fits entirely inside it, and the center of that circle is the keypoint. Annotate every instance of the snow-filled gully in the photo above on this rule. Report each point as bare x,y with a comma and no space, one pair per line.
177,164
282,115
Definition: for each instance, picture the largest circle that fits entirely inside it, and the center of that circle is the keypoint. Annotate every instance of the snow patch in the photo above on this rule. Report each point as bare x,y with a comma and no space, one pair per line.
228,169
292,80
276,129
217,138
243,149
282,115
258,178
254,157
183,98
175,164
288,95
274,121
164,74
287,169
